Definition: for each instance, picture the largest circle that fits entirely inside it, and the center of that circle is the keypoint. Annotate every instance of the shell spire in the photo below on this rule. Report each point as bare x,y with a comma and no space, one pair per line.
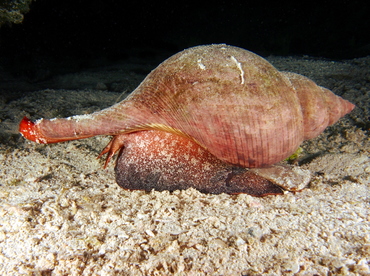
320,106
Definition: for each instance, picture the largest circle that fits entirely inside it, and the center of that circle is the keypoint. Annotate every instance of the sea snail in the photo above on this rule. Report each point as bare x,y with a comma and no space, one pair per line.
205,105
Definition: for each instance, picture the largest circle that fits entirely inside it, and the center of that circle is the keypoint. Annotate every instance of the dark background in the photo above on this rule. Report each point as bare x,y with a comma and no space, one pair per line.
85,30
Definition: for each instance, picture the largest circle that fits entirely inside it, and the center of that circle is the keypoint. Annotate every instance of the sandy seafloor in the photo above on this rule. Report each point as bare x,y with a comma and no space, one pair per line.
61,213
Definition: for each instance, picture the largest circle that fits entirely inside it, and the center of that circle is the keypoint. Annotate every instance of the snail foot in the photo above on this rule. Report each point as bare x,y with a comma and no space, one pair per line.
164,161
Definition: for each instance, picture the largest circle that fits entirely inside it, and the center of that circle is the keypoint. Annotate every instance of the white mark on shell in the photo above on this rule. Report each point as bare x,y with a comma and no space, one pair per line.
81,117
239,65
40,120
201,65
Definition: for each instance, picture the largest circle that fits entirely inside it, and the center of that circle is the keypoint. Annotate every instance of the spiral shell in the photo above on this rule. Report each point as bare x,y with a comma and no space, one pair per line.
230,101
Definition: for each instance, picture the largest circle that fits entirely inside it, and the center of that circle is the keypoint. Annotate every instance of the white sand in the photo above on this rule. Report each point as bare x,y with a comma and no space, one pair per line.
62,214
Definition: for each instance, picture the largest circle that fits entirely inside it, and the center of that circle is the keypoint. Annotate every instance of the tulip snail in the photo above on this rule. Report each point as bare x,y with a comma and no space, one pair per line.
213,117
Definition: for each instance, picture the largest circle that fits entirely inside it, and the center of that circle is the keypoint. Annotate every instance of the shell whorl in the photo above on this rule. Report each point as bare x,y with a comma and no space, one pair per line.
230,101
320,106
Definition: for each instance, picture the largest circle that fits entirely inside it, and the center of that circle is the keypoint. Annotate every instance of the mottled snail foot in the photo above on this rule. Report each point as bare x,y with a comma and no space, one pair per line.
112,148
163,161
231,181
